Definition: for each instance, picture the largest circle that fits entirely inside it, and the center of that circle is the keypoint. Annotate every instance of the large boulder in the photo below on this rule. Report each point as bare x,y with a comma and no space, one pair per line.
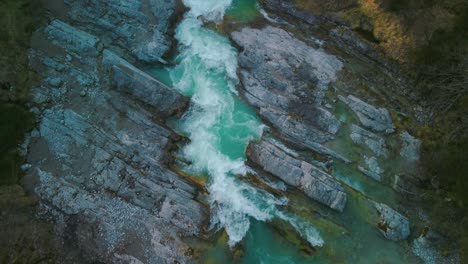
128,79
285,79
377,119
315,183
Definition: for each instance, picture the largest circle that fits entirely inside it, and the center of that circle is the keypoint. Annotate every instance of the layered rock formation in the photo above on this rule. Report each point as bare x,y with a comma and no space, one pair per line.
285,79
392,225
288,78
135,27
315,183
99,159
377,119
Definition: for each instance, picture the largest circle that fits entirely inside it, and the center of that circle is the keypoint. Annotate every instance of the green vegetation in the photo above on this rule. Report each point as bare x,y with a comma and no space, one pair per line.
14,121
25,239
18,20
441,72
430,40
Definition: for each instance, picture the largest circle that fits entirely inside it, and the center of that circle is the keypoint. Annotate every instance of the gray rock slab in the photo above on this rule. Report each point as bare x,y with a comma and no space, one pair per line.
284,79
99,162
392,225
372,141
315,183
128,79
377,119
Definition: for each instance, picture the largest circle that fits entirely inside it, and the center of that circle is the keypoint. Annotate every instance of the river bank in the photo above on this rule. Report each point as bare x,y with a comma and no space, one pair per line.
237,132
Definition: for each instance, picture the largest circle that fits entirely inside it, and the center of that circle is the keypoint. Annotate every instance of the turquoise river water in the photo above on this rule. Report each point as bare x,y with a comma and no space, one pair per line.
220,126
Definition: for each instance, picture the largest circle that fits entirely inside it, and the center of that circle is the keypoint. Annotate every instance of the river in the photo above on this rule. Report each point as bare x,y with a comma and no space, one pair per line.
219,126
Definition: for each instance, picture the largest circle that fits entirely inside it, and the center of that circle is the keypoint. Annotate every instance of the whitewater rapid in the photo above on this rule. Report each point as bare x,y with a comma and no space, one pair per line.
220,126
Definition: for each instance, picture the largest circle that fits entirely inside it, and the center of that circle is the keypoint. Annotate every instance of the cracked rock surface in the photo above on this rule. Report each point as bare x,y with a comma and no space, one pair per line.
99,160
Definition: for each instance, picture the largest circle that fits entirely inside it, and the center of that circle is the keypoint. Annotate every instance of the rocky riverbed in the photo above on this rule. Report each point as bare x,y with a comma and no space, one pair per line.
104,159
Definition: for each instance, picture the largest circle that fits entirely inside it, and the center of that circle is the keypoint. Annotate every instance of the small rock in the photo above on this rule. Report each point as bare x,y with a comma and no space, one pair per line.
371,140
411,147
373,170
54,82
83,93
35,133
392,225
25,167
284,7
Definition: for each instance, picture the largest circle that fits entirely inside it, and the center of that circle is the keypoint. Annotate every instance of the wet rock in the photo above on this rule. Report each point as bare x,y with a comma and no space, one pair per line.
315,183
290,99
371,140
392,225
54,82
284,7
377,119
410,147
128,79
372,168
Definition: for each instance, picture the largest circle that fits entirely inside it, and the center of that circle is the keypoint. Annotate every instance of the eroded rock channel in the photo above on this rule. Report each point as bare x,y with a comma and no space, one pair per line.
120,167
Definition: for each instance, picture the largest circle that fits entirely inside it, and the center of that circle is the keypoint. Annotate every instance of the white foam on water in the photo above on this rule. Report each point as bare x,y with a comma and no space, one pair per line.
305,229
206,72
271,19
212,10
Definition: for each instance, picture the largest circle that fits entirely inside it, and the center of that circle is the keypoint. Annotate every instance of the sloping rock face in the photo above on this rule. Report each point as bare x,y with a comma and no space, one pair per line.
372,141
98,161
284,7
315,183
132,81
323,99
377,119
285,80
132,26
